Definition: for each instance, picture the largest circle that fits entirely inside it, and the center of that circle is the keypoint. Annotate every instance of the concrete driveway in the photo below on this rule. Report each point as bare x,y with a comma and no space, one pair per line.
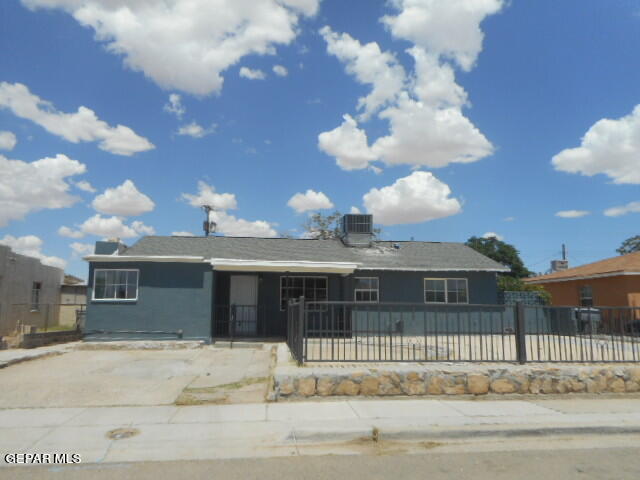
85,378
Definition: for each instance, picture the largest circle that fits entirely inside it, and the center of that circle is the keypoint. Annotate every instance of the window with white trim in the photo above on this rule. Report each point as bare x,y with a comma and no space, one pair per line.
366,290
314,289
586,296
115,284
446,290
35,296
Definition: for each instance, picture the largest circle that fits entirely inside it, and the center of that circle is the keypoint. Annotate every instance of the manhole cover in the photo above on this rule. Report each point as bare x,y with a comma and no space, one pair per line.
120,433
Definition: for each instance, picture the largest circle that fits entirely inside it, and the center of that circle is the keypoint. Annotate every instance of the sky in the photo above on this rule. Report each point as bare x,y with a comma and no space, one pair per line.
445,119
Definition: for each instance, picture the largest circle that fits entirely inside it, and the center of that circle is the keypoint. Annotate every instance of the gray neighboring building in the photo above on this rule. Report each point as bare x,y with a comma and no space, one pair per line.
29,291
165,287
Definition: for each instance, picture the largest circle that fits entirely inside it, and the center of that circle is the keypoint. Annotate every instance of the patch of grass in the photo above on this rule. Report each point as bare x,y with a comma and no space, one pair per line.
185,399
228,386
213,395
57,328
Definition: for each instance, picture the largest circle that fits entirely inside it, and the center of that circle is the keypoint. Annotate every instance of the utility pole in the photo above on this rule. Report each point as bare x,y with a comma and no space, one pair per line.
208,226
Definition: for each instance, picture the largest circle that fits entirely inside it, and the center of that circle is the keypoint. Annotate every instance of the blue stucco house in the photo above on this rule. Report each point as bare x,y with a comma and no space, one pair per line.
189,287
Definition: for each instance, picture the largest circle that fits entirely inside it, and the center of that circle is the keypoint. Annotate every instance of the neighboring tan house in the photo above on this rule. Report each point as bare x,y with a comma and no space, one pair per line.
167,287
29,291
614,282
73,300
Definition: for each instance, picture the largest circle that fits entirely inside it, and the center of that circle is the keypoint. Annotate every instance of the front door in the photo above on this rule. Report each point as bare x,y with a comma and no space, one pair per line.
243,298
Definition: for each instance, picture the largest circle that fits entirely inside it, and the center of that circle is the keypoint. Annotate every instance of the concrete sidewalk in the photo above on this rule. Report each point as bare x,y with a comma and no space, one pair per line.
310,428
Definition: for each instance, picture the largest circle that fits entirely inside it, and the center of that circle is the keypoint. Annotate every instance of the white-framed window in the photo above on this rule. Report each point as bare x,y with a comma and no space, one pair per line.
586,296
314,289
115,284
36,288
446,290
366,290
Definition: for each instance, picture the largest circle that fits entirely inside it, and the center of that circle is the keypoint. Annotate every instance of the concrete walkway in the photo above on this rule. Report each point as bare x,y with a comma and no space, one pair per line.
160,433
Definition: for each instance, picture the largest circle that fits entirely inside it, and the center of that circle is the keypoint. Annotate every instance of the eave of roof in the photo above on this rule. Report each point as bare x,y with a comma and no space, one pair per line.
541,280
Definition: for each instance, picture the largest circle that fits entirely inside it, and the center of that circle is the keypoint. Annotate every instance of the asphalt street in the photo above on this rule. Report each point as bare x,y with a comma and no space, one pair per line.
591,463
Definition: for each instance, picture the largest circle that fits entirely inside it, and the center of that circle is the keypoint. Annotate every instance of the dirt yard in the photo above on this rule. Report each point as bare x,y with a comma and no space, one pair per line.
83,378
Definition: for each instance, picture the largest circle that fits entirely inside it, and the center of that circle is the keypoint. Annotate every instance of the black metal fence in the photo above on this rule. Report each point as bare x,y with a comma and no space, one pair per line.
246,321
296,328
403,332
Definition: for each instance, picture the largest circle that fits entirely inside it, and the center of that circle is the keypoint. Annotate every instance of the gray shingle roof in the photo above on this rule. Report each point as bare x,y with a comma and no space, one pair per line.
383,254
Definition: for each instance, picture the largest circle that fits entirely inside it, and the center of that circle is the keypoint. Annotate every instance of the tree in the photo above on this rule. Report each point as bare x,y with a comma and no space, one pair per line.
502,253
322,226
325,227
630,245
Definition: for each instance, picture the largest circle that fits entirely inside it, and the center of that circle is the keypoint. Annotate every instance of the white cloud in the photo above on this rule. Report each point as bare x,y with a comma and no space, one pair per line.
310,200
417,198
572,213
7,140
227,224
175,105
123,200
182,234
369,65
423,135
427,126
81,126
252,74
231,226
434,83
493,235
112,227
82,249
207,196
187,45
306,7
447,28
142,229
610,147
69,232
31,246
280,70
509,219
355,210
196,131
348,144
27,187
85,186
631,207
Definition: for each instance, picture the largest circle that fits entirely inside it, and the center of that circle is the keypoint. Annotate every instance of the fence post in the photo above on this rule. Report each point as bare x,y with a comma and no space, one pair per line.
232,324
521,343
300,343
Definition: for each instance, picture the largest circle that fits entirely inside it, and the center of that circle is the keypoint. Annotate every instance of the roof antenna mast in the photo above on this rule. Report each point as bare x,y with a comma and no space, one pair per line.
208,226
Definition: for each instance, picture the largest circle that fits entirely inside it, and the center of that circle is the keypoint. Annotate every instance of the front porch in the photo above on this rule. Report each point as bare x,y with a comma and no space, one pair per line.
254,304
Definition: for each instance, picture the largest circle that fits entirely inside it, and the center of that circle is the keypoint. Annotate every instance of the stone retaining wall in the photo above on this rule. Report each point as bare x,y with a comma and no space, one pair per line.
421,379
458,380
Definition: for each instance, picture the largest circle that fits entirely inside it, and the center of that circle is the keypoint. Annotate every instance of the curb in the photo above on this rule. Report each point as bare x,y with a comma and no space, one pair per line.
375,434
28,358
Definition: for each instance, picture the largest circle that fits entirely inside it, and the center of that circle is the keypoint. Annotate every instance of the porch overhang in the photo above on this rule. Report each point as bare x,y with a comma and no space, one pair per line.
237,265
